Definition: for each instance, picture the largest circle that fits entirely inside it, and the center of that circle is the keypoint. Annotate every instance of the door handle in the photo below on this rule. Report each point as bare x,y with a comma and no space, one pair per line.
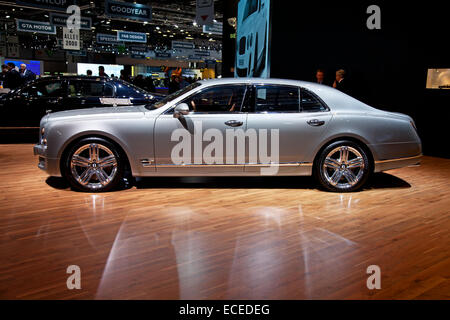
234,123
315,122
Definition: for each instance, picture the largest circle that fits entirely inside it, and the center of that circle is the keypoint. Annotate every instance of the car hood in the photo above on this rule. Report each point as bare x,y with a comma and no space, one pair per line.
98,113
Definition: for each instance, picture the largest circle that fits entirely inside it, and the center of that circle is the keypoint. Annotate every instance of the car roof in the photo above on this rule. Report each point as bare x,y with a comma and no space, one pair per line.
334,98
300,83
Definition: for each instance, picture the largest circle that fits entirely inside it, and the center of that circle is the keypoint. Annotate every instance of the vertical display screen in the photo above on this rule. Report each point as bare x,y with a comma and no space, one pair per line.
252,39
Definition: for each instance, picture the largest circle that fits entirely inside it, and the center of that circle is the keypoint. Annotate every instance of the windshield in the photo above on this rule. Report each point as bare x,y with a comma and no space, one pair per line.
172,96
250,7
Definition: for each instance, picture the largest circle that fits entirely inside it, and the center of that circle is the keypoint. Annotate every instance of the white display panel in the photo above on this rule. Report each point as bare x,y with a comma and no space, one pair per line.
110,69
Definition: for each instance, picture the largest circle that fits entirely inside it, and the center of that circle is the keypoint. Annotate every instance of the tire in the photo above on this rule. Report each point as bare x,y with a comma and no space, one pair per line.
343,166
93,165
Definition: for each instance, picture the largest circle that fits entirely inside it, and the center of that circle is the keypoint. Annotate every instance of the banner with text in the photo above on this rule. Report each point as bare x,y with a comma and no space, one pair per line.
128,36
176,45
215,28
60,5
35,26
58,19
128,10
205,12
104,38
71,39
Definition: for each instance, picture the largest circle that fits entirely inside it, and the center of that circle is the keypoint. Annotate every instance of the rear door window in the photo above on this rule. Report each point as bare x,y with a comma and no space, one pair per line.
276,98
87,88
310,103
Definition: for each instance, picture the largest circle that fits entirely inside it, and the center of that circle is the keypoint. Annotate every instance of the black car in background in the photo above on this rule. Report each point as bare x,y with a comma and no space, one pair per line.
23,108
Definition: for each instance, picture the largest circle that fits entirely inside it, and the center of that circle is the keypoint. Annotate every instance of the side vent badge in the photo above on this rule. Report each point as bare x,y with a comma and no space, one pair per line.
146,162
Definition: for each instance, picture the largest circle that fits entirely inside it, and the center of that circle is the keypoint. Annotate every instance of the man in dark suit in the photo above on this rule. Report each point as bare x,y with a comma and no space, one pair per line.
27,75
320,76
340,83
12,77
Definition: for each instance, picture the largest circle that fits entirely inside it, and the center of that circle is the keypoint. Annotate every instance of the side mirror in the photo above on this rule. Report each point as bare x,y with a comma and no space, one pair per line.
181,110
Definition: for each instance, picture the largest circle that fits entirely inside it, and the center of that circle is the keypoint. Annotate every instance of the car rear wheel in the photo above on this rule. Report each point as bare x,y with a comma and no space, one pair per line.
94,165
343,166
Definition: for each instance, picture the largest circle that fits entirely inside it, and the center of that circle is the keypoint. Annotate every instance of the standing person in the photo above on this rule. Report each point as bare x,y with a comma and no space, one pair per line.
124,76
174,84
89,73
150,85
101,72
27,75
12,77
3,74
320,76
340,83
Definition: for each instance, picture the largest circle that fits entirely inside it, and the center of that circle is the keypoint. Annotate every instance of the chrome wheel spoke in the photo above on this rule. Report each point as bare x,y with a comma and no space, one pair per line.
107,161
86,176
332,163
80,161
336,177
343,154
102,176
355,163
350,176
93,152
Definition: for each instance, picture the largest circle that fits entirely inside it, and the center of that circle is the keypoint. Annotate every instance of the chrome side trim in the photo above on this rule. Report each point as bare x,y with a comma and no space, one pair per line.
289,164
398,159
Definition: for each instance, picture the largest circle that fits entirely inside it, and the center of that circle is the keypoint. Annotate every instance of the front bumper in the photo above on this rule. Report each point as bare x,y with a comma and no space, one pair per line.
51,166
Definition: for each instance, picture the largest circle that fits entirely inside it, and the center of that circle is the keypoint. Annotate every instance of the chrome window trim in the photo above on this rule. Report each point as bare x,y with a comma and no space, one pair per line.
199,89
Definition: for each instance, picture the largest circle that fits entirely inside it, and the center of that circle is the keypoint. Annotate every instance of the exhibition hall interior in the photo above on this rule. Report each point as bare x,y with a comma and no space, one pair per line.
224,150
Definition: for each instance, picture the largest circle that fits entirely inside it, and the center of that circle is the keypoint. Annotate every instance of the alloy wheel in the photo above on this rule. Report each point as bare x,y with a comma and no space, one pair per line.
93,166
343,167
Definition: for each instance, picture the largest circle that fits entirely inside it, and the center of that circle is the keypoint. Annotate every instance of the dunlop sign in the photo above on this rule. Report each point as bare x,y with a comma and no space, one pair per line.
128,10
60,5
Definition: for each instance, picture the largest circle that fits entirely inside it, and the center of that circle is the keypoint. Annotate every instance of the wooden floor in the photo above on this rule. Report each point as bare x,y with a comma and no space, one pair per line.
223,238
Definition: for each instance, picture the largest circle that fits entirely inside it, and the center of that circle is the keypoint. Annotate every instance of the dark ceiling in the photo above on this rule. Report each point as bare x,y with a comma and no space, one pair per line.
171,20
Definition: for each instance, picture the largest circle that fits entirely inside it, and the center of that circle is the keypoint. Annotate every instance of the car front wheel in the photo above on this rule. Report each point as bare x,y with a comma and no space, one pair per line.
93,165
343,166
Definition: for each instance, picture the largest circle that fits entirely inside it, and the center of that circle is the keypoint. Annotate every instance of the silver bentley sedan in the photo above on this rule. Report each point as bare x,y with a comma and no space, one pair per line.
230,127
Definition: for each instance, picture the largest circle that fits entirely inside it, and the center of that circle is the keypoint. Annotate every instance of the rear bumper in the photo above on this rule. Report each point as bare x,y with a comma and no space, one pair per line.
384,165
49,165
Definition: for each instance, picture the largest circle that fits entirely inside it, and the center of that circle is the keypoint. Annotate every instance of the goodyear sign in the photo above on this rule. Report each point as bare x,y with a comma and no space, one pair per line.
128,10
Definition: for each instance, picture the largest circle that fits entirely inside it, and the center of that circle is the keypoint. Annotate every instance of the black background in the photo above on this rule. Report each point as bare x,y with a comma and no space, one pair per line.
386,68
